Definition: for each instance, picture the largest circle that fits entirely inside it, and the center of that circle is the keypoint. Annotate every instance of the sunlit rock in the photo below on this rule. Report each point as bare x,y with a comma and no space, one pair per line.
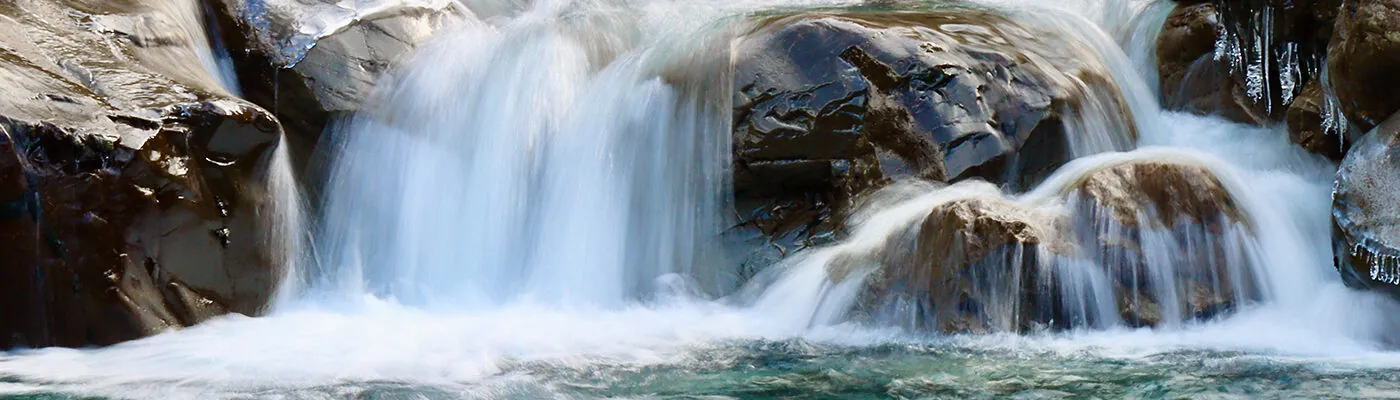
128,197
312,60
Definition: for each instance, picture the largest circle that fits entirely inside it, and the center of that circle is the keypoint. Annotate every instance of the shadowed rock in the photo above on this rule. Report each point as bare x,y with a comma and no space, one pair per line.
1366,228
1363,57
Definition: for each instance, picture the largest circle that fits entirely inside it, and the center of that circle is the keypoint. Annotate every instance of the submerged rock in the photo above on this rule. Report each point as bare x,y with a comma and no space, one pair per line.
830,105
1363,57
1366,228
128,201
312,60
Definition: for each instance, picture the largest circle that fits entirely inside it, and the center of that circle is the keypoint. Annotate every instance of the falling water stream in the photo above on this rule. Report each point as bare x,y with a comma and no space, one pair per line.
529,210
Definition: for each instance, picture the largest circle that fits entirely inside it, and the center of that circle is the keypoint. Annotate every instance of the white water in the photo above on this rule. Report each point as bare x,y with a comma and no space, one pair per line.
491,215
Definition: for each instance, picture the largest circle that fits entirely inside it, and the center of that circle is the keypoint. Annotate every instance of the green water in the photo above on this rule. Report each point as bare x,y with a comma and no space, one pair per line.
797,369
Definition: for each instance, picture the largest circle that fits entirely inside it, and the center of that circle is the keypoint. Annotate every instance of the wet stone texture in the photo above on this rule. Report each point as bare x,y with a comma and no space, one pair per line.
1366,228
1166,238
1163,229
829,106
127,198
1253,61
974,268
313,61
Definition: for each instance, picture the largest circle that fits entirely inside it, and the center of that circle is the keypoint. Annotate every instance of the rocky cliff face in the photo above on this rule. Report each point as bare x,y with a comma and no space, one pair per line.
128,192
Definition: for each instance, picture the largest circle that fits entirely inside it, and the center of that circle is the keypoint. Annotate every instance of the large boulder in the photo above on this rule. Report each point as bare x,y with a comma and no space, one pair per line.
1366,220
128,197
830,105
312,60
1362,59
973,268
1192,78
1164,232
1133,242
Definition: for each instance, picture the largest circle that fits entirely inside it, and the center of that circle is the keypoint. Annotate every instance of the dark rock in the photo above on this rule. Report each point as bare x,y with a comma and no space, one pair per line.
1366,230
1207,51
1362,59
118,163
1306,126
829,106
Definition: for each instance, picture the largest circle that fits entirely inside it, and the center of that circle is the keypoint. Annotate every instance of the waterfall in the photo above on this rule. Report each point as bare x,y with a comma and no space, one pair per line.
529,208
554,158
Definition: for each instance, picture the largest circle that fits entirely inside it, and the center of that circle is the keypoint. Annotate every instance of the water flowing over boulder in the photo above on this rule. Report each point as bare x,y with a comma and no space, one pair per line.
1366,232
830,105
128,198
309,61
1169,236
1363,58
973,267
1137,243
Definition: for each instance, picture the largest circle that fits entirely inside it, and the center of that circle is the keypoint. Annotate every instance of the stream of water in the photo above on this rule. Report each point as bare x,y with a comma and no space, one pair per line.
529,210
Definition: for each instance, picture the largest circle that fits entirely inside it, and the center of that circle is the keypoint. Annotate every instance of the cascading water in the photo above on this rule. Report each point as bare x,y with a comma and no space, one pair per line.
526,212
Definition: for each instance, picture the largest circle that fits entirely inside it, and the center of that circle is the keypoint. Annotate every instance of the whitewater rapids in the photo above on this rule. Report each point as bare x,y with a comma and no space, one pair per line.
381,303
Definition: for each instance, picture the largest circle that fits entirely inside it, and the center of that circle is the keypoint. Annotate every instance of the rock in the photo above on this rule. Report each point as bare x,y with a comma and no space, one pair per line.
1163,232
973,269
1306,126
1363,57
128,201
1366,228
1207,51
1192,80
310,61
830,105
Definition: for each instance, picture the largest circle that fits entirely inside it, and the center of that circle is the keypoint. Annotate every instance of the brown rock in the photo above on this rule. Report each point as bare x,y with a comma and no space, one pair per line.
1363,57
126,190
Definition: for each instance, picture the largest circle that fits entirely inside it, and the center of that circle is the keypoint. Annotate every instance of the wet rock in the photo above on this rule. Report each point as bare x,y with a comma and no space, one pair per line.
1245,60
1363,57
118,165
1366,232
1168,236
310,61
972,268
1192,79
1306,125
829,106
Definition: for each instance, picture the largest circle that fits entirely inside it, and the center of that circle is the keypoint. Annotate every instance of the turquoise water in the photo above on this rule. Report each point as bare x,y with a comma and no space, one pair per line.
948,368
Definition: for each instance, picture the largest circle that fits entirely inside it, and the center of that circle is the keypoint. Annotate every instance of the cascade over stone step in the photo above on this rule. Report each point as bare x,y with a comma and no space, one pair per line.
830,105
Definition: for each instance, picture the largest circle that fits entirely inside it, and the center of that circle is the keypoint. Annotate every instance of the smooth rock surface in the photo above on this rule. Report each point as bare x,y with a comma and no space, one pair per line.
310,61
1364,210
1363,58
